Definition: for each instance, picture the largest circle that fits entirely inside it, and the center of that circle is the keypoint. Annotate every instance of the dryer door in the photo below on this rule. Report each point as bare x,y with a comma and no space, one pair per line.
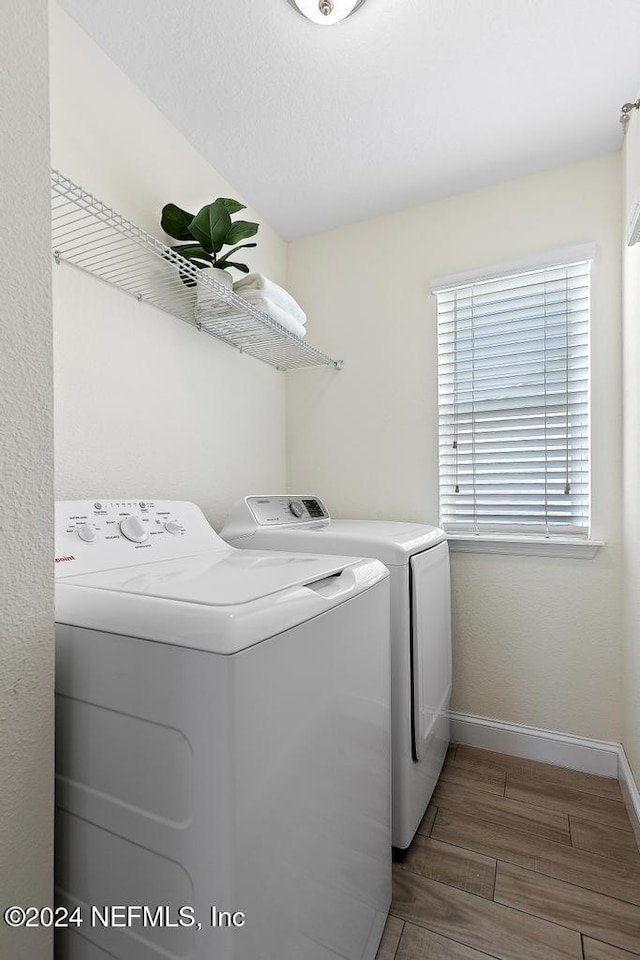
430,645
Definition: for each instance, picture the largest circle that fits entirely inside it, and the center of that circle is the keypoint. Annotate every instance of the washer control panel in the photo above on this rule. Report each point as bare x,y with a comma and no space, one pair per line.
269,511
102,534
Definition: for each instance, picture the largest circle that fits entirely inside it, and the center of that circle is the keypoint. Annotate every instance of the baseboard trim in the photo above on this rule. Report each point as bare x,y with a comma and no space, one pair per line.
534,743
630,791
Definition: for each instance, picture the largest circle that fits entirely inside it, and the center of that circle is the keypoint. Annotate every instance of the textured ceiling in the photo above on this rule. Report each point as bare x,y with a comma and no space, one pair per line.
409,100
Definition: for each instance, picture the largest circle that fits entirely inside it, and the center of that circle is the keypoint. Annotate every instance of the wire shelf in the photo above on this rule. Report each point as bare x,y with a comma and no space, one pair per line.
93,237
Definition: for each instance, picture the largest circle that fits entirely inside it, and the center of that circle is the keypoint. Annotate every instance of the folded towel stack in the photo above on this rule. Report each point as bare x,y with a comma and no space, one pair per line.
273,300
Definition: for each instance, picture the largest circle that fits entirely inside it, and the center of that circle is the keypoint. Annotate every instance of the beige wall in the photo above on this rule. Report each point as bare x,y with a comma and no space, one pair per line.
536,640
631,500
26,478
145,404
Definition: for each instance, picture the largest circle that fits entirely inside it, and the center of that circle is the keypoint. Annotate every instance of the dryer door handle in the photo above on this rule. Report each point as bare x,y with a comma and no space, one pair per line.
337,585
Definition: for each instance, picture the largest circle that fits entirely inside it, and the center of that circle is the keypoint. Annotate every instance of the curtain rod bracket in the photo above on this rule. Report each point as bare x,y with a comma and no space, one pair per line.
625,115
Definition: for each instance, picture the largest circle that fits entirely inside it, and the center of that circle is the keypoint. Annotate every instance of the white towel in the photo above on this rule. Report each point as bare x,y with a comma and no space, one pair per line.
255,283
277,313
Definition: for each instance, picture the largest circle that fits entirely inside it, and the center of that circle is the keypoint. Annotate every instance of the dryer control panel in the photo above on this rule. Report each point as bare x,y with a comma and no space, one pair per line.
268,511
276,510
96,535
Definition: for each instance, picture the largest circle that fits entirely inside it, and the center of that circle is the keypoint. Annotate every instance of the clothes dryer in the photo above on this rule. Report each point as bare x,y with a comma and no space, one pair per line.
418,557
222,743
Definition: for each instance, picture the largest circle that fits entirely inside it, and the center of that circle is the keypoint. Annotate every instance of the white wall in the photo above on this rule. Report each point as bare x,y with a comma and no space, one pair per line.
146,405
26,478
631,499
536,640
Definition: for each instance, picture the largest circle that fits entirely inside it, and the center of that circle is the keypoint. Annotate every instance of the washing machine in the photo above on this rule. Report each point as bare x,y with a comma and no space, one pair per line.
222,743
417,556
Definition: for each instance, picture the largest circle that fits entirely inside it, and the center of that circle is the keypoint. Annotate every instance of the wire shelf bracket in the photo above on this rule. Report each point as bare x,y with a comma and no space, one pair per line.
91,236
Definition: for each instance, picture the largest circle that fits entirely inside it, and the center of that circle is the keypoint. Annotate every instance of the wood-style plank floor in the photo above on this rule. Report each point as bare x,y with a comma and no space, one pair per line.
517,860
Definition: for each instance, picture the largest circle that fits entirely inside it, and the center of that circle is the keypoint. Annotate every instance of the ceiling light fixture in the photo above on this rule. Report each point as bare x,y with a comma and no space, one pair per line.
326,12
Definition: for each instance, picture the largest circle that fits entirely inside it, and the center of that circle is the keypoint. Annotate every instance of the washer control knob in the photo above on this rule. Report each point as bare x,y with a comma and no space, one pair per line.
133,530
297,508
174,527
87,532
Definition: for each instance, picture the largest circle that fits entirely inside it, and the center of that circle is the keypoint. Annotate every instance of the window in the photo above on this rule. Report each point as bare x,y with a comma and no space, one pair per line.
514,403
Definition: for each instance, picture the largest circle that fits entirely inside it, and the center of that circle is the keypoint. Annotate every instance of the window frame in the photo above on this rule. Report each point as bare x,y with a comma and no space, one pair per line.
516,542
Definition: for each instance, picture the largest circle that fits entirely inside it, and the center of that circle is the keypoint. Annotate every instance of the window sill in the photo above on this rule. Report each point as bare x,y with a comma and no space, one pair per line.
525,546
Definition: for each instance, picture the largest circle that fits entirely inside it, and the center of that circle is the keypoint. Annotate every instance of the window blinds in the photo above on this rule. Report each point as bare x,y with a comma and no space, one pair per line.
514,403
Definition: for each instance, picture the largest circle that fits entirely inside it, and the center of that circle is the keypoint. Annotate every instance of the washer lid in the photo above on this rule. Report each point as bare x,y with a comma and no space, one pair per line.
392,542
222,602
220,579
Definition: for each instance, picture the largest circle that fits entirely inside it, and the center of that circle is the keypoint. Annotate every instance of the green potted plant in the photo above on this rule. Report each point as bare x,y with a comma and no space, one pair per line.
203,236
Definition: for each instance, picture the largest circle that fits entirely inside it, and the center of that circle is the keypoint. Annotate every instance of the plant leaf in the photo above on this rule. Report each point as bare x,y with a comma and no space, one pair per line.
242,267
190,250
233,206
241,230
175,222
240,246
211,225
